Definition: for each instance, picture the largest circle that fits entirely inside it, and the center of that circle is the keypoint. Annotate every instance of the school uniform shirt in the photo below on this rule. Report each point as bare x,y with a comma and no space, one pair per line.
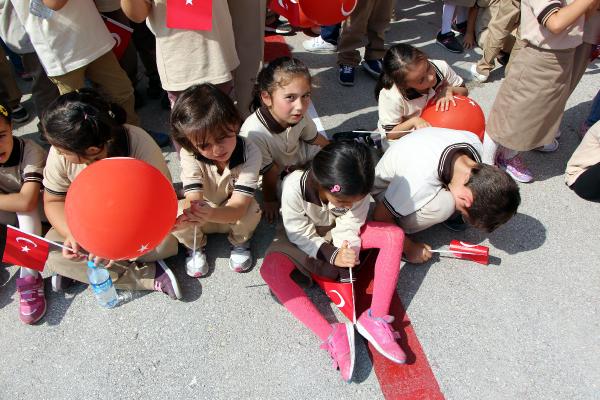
535,14
25,164
284,146
241,175
394,107
136,143
591,31
417,166
12,31
586,155
302,211
187,57
67,39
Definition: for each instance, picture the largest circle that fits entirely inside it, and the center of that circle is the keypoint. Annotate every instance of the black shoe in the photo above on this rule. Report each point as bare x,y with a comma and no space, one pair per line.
155,89
19,114
456,223
139,100
161,139
449,41
164,101
460,28
503,58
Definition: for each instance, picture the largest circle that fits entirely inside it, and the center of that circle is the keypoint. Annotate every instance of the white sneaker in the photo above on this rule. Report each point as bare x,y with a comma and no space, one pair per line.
476,75
318,45
240,259
196,265
548,148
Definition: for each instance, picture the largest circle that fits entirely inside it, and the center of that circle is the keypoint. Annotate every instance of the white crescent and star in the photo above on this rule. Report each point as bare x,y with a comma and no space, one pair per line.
282,4
342,302
143,248
346,13
189,2
117,39
25,248
468,244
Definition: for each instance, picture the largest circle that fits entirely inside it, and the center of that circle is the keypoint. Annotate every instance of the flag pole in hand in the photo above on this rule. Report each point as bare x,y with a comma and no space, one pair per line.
345,245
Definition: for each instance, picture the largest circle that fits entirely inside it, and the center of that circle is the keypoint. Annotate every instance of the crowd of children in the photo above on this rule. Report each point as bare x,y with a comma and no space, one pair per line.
329,199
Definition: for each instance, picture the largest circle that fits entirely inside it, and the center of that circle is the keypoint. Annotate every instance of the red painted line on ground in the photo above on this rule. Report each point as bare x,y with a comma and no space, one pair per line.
413,380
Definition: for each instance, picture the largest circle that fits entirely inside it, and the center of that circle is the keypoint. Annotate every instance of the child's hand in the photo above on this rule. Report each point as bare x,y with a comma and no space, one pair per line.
199,212
469,40
346,257
419,123
443,102
74,255
417,253
100,261
181,223
270,211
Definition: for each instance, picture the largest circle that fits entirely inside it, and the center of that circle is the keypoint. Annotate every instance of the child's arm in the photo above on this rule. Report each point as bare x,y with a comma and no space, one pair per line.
400,130
446,96
564,17
136,10
54,207
55,4
416,253
26,200
347,229
469,40
320,141
234,210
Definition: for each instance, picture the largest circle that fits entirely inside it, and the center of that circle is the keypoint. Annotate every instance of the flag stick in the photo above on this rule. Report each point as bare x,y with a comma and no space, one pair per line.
393,131
353,302
454,252
44,239
194,251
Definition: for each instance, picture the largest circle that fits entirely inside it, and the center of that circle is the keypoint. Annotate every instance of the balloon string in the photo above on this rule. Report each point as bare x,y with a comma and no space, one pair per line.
194,251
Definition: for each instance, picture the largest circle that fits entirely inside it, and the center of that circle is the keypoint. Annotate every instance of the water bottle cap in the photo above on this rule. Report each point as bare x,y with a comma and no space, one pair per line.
91,264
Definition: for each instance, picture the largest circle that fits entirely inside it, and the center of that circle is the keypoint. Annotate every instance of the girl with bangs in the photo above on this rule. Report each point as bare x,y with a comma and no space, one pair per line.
219,175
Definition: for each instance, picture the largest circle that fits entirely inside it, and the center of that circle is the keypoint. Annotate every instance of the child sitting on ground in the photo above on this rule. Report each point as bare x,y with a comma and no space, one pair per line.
423,179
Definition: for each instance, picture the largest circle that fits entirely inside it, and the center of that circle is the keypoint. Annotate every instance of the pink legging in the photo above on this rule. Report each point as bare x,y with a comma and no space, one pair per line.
388,238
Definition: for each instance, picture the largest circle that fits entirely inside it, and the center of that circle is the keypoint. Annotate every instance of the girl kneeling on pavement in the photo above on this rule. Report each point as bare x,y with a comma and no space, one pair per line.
323,209
83,128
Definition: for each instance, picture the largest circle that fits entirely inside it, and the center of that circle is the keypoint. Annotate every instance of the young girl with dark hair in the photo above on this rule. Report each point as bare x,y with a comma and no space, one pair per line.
408,82
279,127
83,128
21,166
324,209
219,171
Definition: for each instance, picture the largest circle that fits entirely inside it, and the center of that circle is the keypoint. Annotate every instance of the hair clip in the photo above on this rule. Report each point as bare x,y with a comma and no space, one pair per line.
85,116
111,114
335,189
3,111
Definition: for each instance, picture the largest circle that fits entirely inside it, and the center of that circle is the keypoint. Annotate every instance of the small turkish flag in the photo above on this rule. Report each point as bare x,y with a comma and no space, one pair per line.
22,249
468,251
120,33
190,14
340,293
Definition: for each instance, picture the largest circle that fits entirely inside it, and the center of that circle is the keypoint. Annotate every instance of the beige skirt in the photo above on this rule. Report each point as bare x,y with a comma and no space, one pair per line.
582,60
529,105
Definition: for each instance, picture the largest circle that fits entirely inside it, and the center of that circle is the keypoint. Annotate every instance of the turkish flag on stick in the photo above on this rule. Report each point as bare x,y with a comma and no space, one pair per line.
23,249
341,294
195,15
120,33
468,251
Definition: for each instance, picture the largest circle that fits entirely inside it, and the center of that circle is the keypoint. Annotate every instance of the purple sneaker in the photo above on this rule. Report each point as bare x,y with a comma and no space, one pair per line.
165,281
32,303
516,168
340,345
379,332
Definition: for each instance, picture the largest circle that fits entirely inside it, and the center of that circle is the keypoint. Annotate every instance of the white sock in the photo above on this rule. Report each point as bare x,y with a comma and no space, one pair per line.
447,15
27,272
489,150
461,14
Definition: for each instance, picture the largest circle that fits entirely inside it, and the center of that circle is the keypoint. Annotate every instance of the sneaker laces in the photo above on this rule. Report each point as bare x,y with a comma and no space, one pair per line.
330,347
385,324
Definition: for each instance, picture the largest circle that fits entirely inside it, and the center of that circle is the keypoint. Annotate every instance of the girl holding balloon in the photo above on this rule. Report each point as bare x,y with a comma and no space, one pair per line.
83,128
409,80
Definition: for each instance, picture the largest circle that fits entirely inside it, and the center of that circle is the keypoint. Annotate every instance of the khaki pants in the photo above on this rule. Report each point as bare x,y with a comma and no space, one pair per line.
248,19
239,232
582,60
130,275
109,76
438,210
9,91
499,30
370,18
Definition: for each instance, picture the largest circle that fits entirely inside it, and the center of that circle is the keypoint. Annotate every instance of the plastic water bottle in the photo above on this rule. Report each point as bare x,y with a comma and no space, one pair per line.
102,285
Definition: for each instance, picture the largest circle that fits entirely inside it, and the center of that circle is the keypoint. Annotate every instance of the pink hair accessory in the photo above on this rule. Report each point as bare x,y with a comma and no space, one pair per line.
335,189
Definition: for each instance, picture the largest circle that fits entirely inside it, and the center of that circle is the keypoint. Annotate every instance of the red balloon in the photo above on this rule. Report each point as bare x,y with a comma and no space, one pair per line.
290,9
120,208
466,116
328,12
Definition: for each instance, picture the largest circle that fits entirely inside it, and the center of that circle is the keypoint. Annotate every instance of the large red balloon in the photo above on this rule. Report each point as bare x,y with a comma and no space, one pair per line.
120,208
290,9
466,116
328,12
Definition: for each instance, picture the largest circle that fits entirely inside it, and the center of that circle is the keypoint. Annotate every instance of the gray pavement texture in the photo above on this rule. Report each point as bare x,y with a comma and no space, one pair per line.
525,327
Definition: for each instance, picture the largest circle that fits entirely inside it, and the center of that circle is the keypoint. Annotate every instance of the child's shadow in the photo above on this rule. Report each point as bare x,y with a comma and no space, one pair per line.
191,288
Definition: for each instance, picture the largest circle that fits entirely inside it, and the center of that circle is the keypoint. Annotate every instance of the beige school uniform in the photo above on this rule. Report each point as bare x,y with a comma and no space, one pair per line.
395,107
586,155
412,177
529,105
285,147
240,176
58,176
591,36
314,232
25,164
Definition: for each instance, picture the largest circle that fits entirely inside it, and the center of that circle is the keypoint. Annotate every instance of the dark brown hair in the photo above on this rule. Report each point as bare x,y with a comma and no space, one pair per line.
394,65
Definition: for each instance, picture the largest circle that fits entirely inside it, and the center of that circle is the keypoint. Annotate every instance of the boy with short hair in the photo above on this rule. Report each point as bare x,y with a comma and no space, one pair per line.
424,178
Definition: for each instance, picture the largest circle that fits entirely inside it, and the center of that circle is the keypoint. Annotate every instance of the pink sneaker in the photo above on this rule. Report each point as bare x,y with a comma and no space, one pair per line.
380,333
32,303
516,168
340,345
